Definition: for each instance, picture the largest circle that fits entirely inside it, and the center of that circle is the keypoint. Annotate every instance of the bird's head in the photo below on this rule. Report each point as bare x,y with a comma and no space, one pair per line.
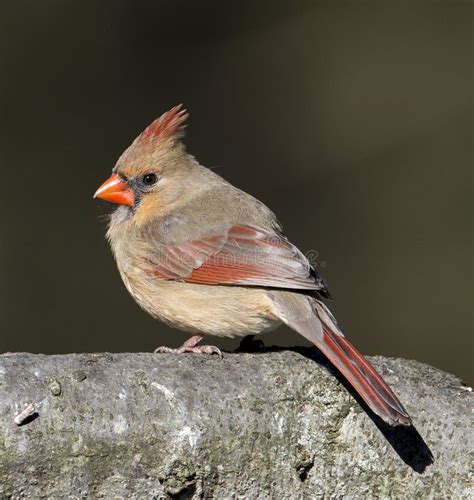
150,173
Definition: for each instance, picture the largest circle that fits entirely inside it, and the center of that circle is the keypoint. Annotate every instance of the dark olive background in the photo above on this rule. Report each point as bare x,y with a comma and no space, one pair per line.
352,120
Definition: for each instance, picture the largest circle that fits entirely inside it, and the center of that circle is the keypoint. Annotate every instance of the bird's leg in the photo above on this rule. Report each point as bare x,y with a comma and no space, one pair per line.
191,346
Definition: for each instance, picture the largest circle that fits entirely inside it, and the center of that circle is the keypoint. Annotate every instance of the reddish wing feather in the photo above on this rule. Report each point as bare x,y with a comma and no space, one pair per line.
243,255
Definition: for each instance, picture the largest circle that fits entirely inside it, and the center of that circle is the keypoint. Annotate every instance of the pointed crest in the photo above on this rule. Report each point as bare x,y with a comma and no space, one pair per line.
169,124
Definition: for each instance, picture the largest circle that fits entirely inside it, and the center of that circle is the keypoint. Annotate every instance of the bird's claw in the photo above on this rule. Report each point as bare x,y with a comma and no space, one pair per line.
204,349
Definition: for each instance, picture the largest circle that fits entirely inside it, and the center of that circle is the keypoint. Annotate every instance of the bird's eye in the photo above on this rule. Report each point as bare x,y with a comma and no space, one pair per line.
149,179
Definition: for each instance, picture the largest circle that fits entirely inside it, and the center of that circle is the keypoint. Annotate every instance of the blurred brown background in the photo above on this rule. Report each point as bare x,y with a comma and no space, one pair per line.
352,120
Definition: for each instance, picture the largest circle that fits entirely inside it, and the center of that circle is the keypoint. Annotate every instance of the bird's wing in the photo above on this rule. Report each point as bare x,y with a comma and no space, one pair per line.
239,255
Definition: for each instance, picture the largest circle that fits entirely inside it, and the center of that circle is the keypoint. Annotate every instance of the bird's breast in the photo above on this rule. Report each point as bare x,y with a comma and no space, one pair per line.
224,311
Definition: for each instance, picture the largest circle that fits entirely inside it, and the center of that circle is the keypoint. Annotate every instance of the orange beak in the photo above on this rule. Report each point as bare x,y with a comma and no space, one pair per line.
115,190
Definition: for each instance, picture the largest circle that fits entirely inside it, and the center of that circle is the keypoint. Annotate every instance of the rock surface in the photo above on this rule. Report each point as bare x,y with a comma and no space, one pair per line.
277,424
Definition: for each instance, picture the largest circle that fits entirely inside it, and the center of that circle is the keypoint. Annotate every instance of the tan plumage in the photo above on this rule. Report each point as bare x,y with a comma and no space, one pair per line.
203,256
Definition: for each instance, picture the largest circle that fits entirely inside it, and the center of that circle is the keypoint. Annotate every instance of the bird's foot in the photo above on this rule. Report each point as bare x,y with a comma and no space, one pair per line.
191,346
250,344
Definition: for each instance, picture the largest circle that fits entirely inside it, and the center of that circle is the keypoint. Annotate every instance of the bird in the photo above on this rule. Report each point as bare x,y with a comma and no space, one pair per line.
207,258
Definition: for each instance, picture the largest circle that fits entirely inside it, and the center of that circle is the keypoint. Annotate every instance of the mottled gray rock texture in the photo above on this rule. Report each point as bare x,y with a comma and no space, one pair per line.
277,424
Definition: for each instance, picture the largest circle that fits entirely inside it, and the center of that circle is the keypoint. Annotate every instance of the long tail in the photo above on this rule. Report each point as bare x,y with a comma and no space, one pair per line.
358,371
322,330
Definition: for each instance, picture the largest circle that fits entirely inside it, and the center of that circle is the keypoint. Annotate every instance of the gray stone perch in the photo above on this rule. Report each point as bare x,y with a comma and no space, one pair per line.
278,424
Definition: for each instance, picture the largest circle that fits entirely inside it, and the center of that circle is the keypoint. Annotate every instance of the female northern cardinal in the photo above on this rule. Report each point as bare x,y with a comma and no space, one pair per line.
205,257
